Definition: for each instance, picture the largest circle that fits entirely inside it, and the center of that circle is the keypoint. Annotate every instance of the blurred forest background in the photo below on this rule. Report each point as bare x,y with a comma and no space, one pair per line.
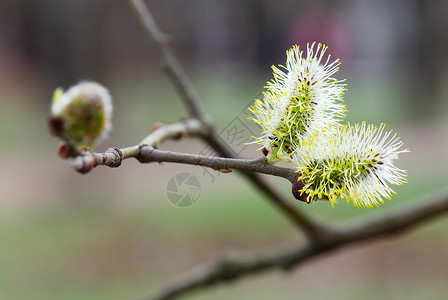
112,234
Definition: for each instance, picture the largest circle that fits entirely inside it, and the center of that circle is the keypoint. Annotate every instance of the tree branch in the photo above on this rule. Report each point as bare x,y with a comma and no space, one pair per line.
191,127
400,219
85,161
149,154
113,157
234,266
172,66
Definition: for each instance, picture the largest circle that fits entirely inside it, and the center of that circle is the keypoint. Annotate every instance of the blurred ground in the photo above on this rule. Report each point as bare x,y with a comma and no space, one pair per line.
113,234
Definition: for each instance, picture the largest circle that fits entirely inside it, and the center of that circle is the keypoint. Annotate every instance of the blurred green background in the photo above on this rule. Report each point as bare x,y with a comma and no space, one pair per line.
113,234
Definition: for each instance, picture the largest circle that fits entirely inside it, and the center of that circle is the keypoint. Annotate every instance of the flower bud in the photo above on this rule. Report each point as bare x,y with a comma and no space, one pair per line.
82,114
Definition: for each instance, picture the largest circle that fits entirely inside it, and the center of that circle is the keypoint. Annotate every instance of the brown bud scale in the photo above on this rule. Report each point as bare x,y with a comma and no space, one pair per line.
56,126
297,186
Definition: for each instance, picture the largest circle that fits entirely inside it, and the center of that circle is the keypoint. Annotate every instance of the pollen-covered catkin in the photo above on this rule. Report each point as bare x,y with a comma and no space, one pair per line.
303,98
352,162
